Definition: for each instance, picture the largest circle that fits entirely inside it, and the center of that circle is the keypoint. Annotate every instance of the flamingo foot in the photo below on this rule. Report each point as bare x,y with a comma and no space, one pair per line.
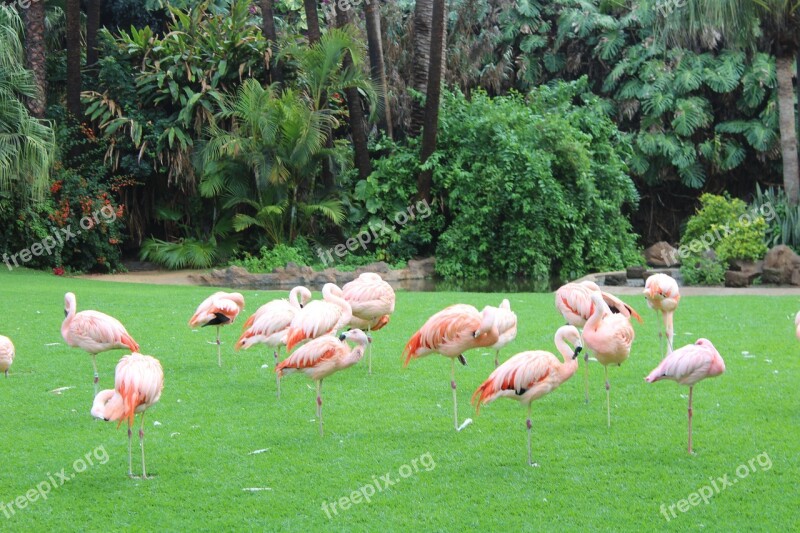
464,424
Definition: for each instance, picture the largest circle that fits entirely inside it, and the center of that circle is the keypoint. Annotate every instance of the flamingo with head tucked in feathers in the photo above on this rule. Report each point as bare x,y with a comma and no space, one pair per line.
451,332
687,366
574,302
93,332
6,354
219,309
322,356
662,295
610,337
506,322
138,382
372,302
320,317
527,376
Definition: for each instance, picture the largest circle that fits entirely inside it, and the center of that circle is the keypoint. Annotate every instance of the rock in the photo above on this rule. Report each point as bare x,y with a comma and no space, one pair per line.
741,265
737,278
662,254
379,267
781,261
422,268
616,279
796,277
636,272
772,275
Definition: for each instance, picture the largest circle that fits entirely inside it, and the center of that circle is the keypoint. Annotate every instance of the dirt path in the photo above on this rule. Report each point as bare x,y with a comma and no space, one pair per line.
181,277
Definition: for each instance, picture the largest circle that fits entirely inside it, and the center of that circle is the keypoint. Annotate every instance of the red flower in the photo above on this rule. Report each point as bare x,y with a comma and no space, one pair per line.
58,271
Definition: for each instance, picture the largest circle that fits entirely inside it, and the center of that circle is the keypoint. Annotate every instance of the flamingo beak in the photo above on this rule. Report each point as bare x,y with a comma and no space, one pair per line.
369,339
66,313
342,337
577,351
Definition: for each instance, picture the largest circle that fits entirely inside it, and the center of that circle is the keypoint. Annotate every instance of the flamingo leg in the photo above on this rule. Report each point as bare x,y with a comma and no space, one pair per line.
96,375
141,443
453,386
130,453
369,355
669,330
219,350
319,406
277,377
690,419
660,337
608,397
496,355
529,425
586,377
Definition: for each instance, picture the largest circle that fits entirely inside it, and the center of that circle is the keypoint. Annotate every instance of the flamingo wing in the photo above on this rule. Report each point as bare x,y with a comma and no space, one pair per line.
686,365
139,379
369,296
316,319
520,374
93,328
313,354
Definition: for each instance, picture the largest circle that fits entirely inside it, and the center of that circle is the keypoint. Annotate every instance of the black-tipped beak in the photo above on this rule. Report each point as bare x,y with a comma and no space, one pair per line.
577,351
475,334
342,337
66,312
301,306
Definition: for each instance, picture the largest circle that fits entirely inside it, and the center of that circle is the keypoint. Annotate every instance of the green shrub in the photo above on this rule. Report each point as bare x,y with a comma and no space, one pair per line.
269,259
783,220
703,271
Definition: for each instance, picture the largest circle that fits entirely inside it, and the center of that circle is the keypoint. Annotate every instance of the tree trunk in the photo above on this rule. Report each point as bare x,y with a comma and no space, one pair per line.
791,169
312,19
356,113
73,30
92,27
35,50
372,13
423,16
268,28
433,95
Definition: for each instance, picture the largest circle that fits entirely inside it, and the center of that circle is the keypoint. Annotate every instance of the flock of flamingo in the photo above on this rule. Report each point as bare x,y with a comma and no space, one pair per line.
365,305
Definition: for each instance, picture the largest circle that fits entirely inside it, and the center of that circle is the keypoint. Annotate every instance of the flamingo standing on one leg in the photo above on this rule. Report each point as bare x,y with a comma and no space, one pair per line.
506,321
451,332
271,325
6,354
610,337
323,356
663,295
527,376
93,332
298,298
138,381
574,302
219,309
320,317
687,366
370,299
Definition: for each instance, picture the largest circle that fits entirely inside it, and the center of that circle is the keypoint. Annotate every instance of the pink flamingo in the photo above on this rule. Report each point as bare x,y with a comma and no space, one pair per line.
320,317
6,354
797,323
370,299
687,366
271,325
138,381
322,356
609,336
219,309
93,332
527,376
506,322
663,295
298,298
451,332
574,302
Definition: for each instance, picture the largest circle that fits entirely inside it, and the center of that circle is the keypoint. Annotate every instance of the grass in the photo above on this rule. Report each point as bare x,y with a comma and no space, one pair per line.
212,418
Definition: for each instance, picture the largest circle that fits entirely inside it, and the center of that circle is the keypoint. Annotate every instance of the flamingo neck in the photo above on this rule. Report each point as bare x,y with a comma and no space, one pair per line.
355,355
570,364
68,319
336,299
293,298
597,316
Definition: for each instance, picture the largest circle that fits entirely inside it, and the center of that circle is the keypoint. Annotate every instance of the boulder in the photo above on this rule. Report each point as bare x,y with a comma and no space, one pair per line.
422,268
796,277
616,279
636,272
779,265
740,265
738,278
662,254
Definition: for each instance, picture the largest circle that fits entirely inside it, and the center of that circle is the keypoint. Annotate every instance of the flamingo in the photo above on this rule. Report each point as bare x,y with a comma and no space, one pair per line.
93,332
270,324
6,354
219,309
663,295
506,322
138,381
609,336
574,302
527,376
371,299
797,323
687,366
298,298
451,332
323,356
320,317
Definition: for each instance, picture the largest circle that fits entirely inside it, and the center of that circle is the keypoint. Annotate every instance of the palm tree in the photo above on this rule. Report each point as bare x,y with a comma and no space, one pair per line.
372,15
432,99
92,27
27,145
423,17
35,50
312,20
772,25
268,28
74,58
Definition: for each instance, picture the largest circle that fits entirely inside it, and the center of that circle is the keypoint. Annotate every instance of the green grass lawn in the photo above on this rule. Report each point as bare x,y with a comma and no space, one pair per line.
211,419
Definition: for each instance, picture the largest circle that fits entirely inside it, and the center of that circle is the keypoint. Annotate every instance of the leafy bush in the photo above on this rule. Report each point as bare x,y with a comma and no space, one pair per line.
783,220
532,187
270,259
702,270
